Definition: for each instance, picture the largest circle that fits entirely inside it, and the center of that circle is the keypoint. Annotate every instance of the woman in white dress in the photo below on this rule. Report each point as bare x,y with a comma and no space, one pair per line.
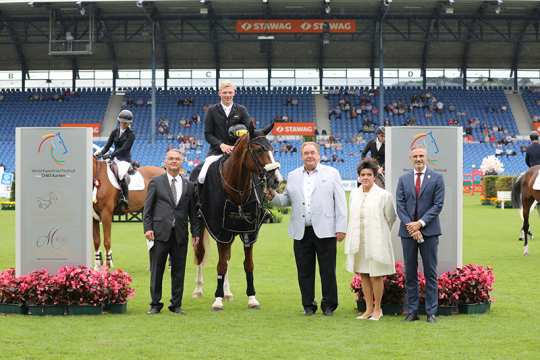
368,245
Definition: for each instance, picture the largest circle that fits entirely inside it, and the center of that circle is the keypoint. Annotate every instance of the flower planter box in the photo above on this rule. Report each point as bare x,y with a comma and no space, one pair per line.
116,308
387,309
445,310
12,309
474,308
84,310
41,310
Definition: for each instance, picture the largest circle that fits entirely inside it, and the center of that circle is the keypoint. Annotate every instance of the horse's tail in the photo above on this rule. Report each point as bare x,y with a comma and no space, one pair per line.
516,192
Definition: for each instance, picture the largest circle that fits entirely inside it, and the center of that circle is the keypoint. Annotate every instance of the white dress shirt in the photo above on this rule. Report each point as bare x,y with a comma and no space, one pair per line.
121,132
309,178
227,109
378,144
178,186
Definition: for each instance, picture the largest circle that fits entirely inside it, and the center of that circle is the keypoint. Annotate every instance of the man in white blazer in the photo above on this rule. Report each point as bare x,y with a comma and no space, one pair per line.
318,219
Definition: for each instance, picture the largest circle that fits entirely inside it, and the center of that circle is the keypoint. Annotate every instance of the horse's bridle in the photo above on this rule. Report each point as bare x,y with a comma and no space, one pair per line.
261,170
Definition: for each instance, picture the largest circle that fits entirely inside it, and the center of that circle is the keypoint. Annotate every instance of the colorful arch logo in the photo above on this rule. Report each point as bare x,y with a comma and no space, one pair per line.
54,144
427,141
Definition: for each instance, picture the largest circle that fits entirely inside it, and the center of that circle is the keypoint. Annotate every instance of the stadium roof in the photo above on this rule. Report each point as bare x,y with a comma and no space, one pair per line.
417,34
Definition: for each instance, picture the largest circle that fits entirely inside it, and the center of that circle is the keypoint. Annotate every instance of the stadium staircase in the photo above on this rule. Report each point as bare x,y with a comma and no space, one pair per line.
520,112
113,108
321,113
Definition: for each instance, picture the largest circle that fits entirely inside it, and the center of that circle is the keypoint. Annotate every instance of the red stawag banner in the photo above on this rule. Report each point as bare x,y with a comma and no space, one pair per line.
294,26
95,127
295,128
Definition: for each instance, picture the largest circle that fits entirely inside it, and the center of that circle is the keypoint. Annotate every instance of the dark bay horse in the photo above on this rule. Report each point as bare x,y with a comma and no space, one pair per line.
231,204
524,197
106,203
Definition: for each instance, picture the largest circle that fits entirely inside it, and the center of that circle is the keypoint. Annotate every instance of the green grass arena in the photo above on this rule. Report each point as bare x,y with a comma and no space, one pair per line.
279,330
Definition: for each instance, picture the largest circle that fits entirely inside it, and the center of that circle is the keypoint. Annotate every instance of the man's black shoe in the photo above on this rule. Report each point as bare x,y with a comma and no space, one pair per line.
177,310
153,311
411,317
431,319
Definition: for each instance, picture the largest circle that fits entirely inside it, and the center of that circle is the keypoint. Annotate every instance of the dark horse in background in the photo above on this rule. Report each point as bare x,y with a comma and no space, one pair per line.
105,205
524,197
231,204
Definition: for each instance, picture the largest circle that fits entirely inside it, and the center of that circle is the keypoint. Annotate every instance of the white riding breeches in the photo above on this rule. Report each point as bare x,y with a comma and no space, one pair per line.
207,162
123,167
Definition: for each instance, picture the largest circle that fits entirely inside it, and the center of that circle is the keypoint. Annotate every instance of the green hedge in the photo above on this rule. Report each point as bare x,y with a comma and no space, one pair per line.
492,184
489,185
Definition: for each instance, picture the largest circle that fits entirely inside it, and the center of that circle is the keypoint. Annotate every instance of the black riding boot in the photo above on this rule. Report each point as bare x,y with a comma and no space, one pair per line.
123,203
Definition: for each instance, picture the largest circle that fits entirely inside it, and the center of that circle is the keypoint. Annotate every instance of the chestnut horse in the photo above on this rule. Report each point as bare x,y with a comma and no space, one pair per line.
106,202
524,197
236,183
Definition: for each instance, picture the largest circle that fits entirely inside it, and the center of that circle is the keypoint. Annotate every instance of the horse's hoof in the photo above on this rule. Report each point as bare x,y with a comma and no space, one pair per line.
218,304
228,297
253,303
196,294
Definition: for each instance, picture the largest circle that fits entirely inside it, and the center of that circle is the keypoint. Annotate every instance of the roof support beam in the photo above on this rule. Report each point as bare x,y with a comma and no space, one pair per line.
21,58
468,39
427,42
107,37
518,45
214,41
153,15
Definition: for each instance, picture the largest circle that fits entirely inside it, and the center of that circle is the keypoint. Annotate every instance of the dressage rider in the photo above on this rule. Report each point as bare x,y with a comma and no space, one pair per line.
376,148
532,155
219,119
122,137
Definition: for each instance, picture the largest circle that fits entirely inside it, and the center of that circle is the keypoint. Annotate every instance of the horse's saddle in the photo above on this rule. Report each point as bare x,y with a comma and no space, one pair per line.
133,178
241,219
536,185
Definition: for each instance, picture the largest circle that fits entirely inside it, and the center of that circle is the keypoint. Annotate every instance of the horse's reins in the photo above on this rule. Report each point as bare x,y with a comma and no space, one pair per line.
260,169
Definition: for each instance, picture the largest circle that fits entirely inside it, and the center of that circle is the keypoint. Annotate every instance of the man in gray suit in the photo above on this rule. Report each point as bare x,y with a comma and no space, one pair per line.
318,219
169,204
420,199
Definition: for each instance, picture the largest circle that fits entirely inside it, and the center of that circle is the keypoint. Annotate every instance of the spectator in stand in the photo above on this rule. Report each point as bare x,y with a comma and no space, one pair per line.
292,101
285,118
439,106
499,150
2,97
195,119
140,102
451,107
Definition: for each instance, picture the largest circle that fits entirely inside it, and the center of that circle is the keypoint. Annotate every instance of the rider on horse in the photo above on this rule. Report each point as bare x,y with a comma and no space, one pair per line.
220,118
123,139
376,148
532,155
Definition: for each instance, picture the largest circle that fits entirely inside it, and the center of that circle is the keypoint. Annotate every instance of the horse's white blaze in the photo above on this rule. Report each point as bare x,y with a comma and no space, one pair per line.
274,165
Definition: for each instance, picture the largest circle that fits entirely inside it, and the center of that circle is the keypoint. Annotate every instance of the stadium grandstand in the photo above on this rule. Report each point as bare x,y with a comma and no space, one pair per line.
348,66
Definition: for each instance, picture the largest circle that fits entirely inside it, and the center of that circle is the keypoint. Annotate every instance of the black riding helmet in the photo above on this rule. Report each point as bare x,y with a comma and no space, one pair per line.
236,131
533,136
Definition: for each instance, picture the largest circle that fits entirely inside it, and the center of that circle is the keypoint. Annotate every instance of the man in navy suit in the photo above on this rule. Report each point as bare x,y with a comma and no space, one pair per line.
420,199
